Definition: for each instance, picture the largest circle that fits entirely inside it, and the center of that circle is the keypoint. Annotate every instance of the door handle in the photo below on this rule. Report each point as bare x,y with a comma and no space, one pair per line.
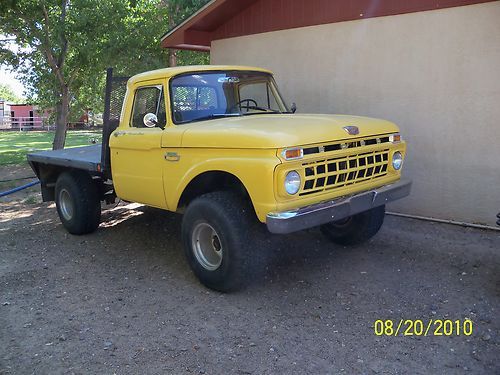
118,133
172,156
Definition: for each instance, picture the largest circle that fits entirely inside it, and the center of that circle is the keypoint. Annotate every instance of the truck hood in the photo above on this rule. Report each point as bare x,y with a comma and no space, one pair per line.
279,130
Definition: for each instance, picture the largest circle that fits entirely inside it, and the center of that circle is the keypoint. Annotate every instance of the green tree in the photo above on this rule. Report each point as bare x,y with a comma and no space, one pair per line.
55,37
67,44
7,94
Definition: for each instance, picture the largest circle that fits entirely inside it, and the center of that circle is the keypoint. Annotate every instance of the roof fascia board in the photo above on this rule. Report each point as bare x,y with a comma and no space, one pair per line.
189,20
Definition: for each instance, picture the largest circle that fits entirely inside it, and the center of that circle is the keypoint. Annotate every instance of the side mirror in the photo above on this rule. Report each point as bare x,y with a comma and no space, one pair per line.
293,108
150,120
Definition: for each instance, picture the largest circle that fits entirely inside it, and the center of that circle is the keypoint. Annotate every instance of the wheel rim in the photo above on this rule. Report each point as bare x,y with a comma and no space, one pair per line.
66,204
207,246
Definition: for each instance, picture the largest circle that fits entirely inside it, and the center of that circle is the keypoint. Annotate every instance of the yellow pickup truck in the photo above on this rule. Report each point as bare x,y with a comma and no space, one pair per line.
220,145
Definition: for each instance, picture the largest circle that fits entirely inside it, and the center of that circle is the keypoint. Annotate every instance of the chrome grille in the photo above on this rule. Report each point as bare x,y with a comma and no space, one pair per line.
333,173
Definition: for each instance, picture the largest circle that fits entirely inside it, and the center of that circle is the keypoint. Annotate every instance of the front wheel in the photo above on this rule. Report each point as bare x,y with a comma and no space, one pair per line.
215,236
355,229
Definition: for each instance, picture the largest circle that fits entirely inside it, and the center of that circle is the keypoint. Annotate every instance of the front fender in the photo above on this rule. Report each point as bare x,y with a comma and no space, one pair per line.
254,168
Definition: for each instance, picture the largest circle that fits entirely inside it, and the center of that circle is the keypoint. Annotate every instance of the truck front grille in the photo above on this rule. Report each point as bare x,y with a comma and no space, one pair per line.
333,173
349,144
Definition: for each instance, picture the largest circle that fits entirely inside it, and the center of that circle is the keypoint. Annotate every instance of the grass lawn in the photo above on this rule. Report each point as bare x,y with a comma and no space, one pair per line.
15,145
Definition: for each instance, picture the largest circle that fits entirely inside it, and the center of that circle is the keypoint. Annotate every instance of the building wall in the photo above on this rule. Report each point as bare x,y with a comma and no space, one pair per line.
435,73
21,116
4,109
22,110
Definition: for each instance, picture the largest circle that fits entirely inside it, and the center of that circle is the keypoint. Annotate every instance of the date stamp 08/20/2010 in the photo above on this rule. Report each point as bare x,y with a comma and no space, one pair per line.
419,327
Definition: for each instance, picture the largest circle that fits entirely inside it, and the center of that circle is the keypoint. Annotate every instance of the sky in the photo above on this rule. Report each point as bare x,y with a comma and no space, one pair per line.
8,78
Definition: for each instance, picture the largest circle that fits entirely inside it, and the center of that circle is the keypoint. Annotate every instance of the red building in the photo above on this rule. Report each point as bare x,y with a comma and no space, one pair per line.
24,117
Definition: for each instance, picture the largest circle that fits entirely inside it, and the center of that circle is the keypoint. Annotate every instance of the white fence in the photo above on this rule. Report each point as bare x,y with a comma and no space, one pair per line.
25,123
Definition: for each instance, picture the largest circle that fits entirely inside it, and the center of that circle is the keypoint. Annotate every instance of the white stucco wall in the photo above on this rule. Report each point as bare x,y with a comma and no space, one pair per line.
436,74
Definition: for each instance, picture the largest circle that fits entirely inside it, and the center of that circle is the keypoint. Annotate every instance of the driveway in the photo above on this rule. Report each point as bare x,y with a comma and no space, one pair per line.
124,301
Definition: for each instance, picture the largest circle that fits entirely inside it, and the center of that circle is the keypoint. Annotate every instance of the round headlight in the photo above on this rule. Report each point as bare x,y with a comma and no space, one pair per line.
292,182
397,160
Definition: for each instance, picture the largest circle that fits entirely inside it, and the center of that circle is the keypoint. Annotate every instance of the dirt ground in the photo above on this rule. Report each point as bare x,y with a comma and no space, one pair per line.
12,176
122,300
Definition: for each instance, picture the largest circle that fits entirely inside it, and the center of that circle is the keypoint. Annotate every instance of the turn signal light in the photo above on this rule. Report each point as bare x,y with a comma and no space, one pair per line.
395,138
293,153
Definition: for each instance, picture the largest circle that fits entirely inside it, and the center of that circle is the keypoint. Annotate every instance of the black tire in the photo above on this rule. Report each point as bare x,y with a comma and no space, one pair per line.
78,202
357,228
220,220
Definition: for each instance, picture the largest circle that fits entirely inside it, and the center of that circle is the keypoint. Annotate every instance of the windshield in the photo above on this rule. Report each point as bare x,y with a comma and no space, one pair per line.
208,95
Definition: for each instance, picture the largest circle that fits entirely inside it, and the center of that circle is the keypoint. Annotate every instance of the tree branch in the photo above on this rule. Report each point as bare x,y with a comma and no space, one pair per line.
64,40
48,49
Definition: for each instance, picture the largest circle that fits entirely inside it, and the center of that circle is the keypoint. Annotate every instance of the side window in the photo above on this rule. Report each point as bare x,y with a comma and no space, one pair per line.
148,100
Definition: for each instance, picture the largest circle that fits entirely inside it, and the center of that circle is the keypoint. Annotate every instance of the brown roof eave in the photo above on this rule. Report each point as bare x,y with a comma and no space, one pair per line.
182,37
190,47
196,32
188,39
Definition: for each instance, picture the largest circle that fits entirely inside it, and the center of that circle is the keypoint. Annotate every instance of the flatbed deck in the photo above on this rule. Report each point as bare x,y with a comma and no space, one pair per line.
87,157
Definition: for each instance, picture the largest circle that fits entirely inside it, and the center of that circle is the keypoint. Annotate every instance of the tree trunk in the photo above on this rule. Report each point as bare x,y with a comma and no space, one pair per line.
62,110
173,9
172,57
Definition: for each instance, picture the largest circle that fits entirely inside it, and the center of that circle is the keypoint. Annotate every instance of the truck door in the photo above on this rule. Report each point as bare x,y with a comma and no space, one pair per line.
136,154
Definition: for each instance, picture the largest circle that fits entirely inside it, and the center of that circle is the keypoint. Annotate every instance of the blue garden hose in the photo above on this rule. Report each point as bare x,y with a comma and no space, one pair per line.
4,193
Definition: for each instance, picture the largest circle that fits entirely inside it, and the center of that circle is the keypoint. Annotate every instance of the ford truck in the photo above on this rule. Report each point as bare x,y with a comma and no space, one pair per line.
220,145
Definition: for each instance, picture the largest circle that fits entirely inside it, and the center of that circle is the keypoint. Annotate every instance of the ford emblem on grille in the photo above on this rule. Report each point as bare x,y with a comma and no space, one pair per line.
351,130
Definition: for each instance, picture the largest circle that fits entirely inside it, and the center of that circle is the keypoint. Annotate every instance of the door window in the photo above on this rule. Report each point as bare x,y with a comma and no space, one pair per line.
149,100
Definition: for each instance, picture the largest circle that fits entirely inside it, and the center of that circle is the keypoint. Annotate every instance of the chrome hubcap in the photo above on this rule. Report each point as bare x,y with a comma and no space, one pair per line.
66,204
207,246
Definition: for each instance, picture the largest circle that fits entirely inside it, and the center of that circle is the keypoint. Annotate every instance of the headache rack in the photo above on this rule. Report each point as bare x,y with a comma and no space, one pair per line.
116,88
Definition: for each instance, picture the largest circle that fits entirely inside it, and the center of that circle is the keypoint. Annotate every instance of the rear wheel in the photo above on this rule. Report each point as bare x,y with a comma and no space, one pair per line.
215,231
78,202
355,229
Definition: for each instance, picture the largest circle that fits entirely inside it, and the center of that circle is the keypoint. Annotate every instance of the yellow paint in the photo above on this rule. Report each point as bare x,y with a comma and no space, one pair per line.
247,147
279,130
137,156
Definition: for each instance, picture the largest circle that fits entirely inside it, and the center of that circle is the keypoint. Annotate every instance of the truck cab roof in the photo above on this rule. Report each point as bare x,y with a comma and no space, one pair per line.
170,72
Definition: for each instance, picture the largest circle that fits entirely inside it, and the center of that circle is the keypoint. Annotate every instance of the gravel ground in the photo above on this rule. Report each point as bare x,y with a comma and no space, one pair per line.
123,300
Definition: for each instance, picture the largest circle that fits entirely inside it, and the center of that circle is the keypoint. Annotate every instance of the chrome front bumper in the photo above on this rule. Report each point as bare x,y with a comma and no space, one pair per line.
338,209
